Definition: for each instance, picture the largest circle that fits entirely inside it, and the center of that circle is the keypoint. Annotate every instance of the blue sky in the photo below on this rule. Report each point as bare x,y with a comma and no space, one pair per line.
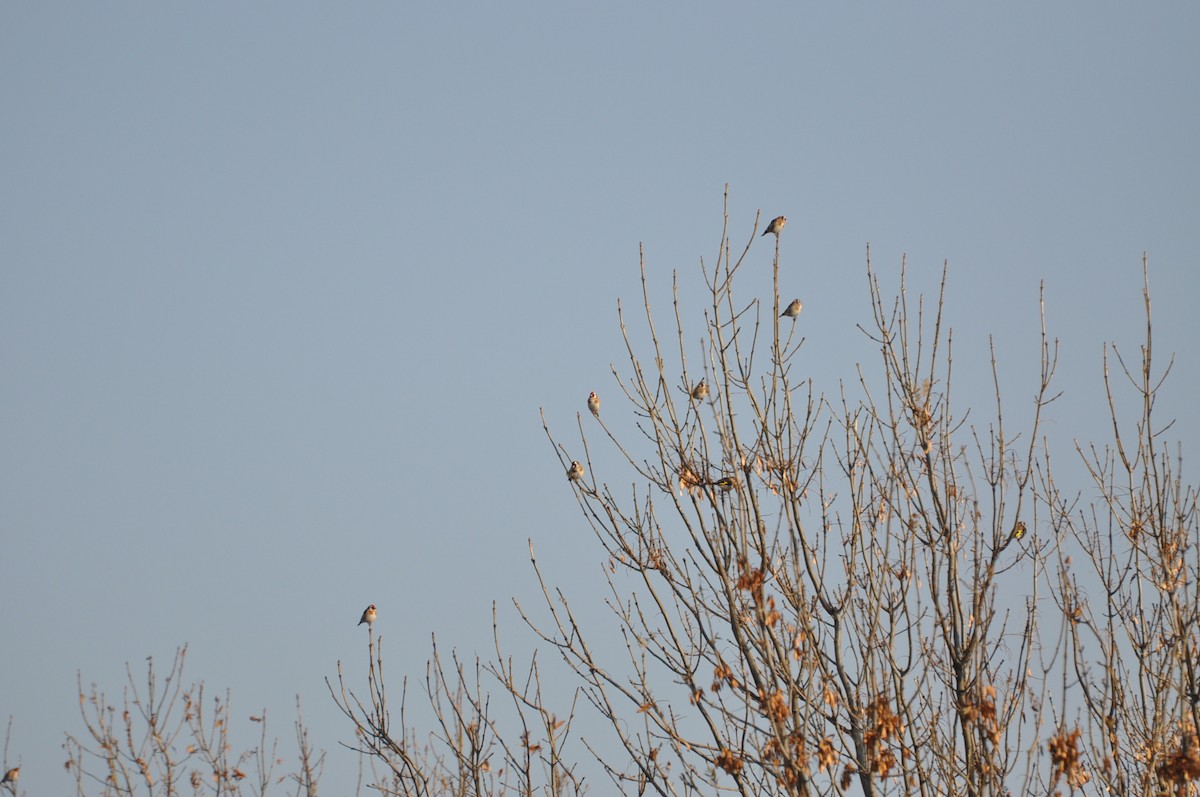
284,286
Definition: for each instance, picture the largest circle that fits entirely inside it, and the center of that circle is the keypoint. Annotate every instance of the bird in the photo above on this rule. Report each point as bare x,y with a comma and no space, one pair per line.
700,390
369,615
1018,530
12,775
575,472
593,403
793,309
776,226
726,483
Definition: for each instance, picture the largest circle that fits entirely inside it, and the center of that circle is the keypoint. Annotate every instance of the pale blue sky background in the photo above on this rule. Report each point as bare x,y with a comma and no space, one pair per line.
283,286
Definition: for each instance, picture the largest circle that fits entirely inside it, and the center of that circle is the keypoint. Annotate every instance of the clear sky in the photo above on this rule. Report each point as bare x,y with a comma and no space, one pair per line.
284,285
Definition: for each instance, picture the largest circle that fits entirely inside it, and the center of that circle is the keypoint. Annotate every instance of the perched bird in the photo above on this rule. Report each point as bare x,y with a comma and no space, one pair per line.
594,403
369,615
726,483
575,472
12,775
700,390
776,226
793,309
1018,530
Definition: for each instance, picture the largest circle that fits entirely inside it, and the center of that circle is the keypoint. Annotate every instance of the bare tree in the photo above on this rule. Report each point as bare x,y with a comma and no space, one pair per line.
168,738
820,589
807,583
468,753
1130,651
825,591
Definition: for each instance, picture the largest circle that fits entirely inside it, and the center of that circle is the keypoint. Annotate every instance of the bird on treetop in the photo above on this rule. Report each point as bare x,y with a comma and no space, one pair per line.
793,309
700,390
575,472
369,615
593,403
776,226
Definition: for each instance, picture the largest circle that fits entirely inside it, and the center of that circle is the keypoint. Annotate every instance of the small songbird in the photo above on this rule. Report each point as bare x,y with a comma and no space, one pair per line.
594,403
793,309
1018,530
12,775
369,615
575,472
776,225
700,390
726,483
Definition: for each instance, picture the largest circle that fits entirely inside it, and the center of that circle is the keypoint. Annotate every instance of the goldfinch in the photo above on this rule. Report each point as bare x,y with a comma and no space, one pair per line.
793,309
776,226
369,615
700,390
593,403
575,472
